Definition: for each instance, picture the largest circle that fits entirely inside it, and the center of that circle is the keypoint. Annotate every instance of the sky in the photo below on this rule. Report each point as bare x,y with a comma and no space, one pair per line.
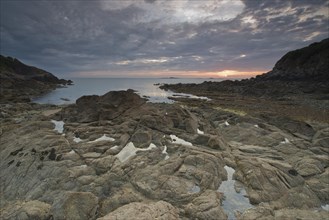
159,38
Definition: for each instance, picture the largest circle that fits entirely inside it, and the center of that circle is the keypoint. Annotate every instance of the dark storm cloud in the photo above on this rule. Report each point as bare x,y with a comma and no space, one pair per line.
76,36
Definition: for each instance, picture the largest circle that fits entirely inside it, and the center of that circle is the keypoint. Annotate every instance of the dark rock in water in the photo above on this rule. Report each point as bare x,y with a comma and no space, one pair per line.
69,82
65,99
20,82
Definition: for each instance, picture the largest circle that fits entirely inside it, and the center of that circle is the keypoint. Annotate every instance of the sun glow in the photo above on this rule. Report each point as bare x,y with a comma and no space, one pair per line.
238,74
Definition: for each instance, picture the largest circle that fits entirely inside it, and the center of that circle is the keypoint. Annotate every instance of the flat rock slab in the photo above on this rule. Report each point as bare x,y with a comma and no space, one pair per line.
25,210
51,112
159,210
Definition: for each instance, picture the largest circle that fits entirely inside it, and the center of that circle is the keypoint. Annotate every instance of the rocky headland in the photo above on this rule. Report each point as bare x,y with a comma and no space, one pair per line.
20,82
116,156
297,87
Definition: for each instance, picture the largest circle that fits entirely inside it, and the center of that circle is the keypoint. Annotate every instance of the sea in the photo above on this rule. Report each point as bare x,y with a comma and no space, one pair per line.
147,87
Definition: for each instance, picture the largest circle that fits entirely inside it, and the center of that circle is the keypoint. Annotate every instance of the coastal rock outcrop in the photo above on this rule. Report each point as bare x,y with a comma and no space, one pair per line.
20,82
308,63
108,159
106,107
297,88
134,152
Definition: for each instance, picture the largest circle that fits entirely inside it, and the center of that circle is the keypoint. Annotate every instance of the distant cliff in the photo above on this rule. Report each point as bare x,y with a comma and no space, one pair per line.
299,72
308,63
20,82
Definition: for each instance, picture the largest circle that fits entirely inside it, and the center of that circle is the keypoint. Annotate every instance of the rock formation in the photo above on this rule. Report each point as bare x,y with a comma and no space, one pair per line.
297,86
300,72
20,82
310,63
145,160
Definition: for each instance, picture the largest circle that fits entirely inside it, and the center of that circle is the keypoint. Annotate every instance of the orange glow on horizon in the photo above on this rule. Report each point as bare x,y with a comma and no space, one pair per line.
168,73
236,73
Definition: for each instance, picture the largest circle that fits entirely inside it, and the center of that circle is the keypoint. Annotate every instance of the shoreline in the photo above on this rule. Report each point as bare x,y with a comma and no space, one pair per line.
299,105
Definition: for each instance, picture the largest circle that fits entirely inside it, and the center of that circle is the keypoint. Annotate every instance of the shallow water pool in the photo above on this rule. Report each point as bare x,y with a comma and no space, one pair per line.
235,195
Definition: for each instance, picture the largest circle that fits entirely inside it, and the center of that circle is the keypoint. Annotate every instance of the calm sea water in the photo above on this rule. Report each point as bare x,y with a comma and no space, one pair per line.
100,86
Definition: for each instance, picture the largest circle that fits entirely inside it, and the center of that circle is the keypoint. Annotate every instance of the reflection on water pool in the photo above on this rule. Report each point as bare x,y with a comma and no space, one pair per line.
235,195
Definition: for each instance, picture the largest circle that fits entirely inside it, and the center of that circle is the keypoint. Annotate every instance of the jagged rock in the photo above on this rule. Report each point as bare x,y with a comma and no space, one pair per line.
75,205
207,206
319,184
201,139
309,167
217,142
124,139
298,197
191,125
248,134
321,138
261,212
300,214
160,123
135,210
269,180
269,214
121,197
33,155
212,141
26,210
102,165
169,119
179,179
100,108
142,138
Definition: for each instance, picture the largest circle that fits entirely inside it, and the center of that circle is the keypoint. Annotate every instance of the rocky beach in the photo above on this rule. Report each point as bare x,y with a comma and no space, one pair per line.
256,149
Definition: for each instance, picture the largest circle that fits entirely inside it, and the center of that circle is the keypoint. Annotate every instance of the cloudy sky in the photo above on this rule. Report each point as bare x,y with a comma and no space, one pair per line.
198,38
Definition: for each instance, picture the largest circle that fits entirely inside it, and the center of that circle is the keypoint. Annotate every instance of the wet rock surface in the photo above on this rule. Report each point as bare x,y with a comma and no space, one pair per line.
119,157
